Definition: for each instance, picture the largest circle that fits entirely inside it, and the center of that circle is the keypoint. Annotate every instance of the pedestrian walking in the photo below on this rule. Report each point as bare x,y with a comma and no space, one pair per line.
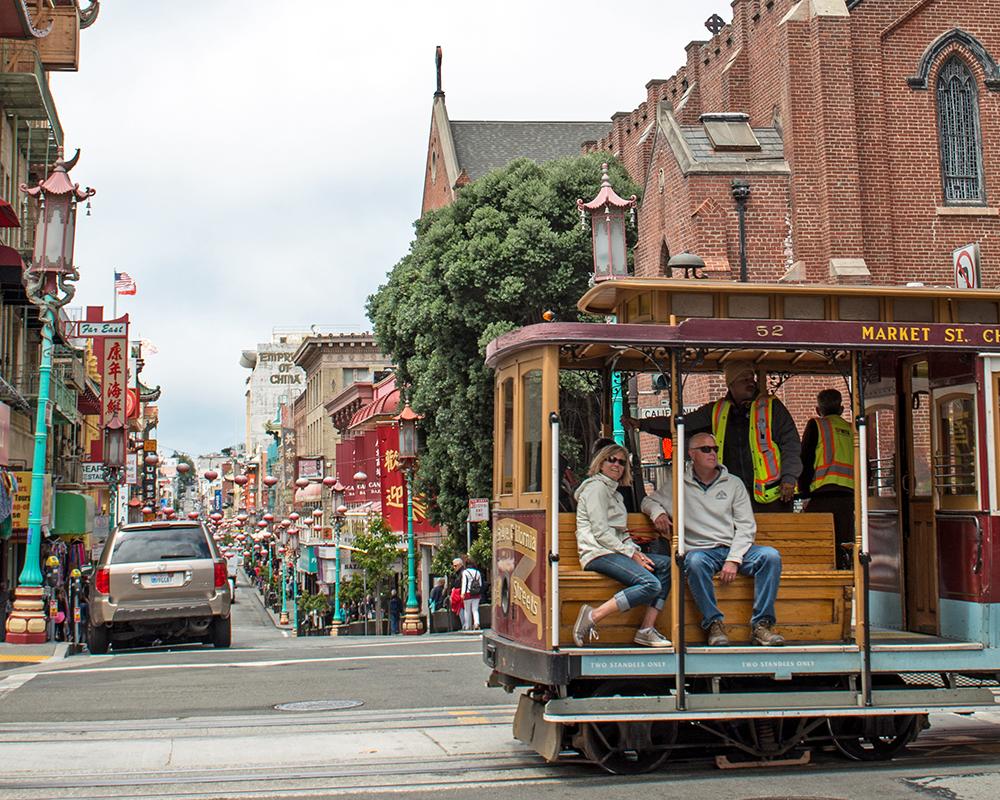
395,612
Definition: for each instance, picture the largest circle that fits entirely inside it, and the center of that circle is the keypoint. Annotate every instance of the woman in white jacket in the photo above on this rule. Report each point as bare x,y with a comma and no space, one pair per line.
605,547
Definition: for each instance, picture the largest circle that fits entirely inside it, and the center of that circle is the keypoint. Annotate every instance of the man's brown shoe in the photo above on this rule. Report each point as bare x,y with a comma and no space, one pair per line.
717,634
763,635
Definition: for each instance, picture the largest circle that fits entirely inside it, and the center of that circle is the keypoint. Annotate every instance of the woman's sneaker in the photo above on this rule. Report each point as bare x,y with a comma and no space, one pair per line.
584,627
650,637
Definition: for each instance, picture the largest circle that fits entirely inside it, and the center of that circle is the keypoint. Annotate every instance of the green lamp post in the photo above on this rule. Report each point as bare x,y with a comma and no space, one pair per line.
48,284
407,421
339,509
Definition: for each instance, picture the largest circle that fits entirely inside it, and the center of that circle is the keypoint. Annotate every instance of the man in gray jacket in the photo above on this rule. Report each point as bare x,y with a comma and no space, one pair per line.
719,538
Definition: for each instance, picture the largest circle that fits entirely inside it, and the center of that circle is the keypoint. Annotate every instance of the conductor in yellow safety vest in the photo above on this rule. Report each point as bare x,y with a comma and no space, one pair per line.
757,438
827,477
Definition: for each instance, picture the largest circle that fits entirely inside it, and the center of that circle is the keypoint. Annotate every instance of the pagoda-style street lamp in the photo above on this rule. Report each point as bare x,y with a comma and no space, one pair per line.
408,453
48,284
607,224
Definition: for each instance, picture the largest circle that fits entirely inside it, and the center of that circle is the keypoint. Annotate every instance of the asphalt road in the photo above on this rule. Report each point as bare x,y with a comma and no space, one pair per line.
263,668
200,724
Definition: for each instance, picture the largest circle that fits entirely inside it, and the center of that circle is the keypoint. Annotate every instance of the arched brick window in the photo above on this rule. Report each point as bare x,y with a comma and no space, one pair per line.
958,130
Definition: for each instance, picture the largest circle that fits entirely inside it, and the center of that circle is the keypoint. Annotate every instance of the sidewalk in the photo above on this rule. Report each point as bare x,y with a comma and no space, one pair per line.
13,656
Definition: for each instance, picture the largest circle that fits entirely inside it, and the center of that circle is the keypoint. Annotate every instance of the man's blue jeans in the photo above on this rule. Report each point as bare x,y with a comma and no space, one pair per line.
642,587
761,562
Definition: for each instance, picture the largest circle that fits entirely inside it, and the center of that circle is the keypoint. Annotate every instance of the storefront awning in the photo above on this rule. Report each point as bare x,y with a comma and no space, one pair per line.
74,514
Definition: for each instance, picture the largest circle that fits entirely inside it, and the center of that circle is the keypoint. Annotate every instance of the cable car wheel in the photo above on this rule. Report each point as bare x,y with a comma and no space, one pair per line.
627,748
876,738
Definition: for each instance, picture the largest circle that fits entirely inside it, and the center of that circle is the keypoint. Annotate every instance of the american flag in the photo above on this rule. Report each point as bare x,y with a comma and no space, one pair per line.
124,283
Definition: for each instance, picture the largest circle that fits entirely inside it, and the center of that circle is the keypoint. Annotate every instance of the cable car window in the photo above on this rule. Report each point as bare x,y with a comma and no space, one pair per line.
881,429
955,459
507,463
531,394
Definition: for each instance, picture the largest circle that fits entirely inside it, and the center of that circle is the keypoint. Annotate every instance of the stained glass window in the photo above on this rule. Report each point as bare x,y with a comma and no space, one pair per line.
958,129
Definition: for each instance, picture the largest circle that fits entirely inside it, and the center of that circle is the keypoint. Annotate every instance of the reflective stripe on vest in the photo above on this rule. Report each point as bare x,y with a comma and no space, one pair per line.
765,454
834,461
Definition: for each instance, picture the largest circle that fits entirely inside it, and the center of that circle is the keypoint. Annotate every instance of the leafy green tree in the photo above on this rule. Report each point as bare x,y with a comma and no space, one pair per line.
508,249
376,556
481,551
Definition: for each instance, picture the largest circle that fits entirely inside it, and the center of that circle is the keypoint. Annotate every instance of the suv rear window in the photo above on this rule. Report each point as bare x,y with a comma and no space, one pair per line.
160,544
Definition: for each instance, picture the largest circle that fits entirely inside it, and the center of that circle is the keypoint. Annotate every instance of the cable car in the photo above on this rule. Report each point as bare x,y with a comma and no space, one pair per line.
911,628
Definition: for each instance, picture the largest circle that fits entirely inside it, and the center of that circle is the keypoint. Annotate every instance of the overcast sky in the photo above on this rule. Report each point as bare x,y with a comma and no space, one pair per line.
260,163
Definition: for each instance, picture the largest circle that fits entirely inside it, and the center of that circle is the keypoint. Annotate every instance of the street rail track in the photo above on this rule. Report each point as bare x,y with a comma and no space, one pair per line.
975,745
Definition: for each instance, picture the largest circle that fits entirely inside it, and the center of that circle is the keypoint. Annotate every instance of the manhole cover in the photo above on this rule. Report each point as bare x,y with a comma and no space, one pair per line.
319,705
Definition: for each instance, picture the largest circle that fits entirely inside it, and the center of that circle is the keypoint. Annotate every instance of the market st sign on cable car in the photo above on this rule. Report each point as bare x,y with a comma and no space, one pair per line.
82,329
778,333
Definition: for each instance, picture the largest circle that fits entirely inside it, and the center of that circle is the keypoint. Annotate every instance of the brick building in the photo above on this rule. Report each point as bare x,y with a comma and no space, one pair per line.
865,133
459,152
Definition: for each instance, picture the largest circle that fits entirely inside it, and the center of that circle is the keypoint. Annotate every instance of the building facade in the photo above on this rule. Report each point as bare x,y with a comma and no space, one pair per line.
859,137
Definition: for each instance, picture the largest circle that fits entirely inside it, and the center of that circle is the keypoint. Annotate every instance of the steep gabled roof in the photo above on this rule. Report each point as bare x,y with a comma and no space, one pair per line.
483,146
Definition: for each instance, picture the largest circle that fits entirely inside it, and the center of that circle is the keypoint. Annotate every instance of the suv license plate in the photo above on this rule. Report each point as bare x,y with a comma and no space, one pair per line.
161,579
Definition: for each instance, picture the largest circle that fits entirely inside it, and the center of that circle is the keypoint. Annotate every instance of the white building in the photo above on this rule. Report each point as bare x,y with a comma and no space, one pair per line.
274,379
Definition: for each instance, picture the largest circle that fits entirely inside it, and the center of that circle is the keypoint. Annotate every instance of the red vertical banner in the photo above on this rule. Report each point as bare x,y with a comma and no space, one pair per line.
113,384
393,488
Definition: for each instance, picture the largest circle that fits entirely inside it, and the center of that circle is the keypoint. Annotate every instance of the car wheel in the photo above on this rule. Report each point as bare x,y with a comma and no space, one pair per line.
98,639
222,632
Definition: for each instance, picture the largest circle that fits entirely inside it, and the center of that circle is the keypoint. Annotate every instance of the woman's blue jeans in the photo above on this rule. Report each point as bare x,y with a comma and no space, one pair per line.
761,562
642,587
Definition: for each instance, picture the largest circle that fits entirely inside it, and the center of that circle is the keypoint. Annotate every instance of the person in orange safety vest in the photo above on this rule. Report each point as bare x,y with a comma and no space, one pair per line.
827,477
757,438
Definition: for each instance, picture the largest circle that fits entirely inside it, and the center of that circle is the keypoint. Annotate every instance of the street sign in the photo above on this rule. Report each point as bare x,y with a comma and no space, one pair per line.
479,509
81,329
965,261
92,471
655,411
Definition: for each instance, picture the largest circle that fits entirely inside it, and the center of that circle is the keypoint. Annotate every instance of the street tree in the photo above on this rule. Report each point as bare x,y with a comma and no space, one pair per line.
376,555
507,250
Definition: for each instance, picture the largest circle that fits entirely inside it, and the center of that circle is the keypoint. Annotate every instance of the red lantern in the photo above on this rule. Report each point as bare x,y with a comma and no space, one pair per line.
302,483
210,475
329,481
242,518
183,468
152,459
262,524
192,515
240,480
341,510
270,480
317,513
294,516
269,517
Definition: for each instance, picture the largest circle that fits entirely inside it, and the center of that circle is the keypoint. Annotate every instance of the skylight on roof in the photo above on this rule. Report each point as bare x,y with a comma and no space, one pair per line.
730,132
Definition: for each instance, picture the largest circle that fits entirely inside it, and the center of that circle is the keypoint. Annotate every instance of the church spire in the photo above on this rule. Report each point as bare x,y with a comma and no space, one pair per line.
437,61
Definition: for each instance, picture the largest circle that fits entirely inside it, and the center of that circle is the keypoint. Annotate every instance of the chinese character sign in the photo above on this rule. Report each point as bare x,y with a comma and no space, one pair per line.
114,383
393,486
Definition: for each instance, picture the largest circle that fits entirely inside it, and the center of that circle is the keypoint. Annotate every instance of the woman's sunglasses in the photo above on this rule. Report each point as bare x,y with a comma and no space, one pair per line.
615,460
707,448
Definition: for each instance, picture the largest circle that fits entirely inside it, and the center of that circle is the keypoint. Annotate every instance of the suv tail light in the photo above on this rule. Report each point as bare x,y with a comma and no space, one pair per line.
221,575
102,581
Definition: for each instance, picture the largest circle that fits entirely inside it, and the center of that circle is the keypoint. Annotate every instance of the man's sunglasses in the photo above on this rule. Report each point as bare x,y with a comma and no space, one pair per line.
616,460
707,448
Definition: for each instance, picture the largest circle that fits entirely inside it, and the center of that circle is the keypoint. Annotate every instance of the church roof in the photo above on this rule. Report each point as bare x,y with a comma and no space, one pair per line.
483,146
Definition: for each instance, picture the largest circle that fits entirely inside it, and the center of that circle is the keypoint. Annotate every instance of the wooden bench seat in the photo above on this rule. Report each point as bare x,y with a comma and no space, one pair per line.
813,602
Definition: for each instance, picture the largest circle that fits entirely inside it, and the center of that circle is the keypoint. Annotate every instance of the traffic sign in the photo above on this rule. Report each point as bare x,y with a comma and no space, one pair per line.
965,261
479,509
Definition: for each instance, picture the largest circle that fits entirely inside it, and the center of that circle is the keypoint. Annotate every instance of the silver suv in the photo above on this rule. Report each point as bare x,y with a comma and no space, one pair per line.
158,582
